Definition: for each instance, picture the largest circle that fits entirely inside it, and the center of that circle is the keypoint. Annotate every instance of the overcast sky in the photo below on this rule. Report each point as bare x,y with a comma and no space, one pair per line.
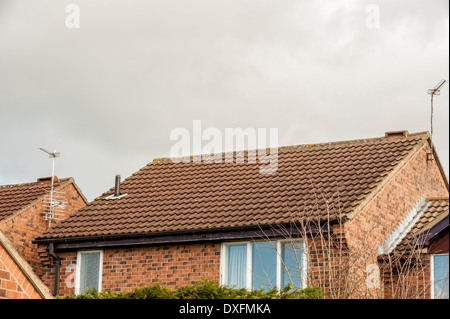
108,94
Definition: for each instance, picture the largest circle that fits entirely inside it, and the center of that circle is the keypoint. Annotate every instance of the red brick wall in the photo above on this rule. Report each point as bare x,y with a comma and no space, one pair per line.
67,273
13,283
173,266
176,266
25,227
372,225
328,265
126,269
403,282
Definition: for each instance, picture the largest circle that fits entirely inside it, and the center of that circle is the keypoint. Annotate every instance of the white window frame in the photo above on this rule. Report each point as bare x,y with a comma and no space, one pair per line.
224,261
249,275
432,272
78,269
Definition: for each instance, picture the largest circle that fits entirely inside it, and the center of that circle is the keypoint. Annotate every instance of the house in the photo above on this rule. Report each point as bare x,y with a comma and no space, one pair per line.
17,278
417,252
23,217
319,220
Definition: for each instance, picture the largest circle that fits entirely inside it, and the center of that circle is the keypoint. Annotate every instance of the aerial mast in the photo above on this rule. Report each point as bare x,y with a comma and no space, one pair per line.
434,91
53,155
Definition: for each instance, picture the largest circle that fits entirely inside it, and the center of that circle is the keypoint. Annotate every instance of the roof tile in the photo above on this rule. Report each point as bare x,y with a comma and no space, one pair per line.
164,196
15,197
437,209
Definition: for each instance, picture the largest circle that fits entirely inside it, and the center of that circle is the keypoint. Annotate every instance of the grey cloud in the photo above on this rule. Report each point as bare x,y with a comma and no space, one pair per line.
108,94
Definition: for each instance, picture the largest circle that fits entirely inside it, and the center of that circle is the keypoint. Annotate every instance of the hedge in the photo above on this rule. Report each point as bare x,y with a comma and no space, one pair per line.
202,290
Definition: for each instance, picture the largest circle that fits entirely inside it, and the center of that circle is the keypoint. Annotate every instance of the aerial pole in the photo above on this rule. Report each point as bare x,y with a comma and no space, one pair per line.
53,155
434,91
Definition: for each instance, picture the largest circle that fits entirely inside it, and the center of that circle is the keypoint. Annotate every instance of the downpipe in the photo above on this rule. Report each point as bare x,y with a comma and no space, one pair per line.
51,250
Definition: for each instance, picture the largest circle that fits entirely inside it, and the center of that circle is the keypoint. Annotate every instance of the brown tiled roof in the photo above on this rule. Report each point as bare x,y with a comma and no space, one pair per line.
15,197
437,210
311,180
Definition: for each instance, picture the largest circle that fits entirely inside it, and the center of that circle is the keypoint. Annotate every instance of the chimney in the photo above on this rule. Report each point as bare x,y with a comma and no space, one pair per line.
47,179
117,186
396,134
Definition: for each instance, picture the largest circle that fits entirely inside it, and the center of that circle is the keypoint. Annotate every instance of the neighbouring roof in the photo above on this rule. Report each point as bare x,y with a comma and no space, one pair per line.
311,181
15,197
24,267
431,221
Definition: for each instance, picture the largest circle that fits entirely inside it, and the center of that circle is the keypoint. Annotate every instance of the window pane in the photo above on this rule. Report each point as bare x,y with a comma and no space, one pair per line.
441,277
264,265
237,265
89,272
291,264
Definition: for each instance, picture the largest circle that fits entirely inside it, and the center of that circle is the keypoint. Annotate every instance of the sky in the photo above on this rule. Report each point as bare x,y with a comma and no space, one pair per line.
108,92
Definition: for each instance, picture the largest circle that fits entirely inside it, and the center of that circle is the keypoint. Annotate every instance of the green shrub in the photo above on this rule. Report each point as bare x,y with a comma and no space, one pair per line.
202,290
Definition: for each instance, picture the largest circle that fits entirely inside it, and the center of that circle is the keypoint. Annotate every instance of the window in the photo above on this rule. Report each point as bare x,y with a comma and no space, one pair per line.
237,256
89,271
293,265
439,276
263,264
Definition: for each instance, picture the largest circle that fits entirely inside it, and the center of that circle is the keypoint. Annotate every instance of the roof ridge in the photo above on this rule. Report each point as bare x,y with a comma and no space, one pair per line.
435,199
419,133
160,160
59,180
